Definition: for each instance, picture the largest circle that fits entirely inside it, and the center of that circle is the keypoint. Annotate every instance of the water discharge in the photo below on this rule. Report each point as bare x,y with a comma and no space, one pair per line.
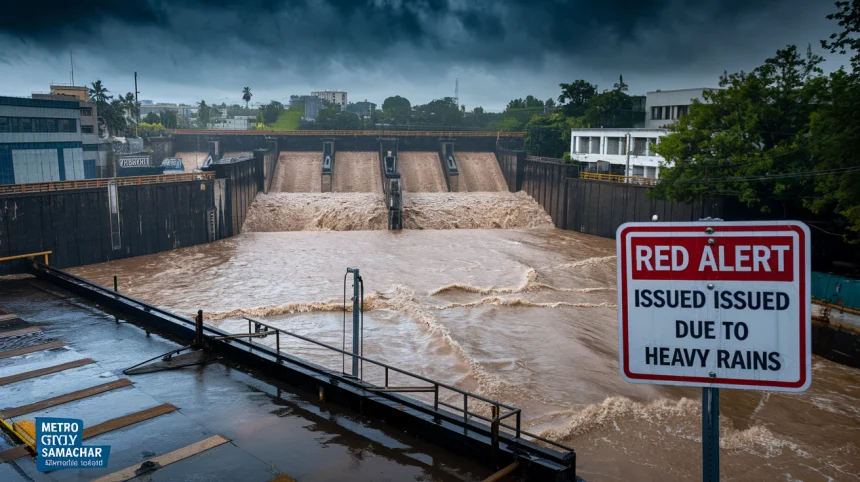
525,315
192,160
421,172
479,171
357,172
298,172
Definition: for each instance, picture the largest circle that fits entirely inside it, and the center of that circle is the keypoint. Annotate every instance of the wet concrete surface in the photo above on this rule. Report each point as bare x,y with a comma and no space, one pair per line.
272,428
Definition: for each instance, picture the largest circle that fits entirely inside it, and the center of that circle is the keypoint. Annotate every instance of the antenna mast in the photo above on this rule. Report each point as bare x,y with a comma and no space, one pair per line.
72,63
457,91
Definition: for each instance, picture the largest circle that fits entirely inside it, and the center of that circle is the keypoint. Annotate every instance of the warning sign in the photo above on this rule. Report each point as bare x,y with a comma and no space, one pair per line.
722,304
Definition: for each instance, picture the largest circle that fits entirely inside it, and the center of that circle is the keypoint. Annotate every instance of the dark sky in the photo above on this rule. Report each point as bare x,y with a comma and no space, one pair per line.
187,50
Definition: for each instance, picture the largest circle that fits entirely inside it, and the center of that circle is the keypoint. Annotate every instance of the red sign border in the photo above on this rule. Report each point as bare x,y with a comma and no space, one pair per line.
720,227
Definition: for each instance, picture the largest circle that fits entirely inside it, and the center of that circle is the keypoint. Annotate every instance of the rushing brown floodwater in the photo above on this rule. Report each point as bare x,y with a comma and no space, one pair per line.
525,316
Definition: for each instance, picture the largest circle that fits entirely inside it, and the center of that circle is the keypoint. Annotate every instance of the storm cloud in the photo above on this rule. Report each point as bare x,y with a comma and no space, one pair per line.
191,49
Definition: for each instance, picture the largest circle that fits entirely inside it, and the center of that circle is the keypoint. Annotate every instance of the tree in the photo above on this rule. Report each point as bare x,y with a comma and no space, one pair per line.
270,112
545,136
752,139
848,17
98,93
202,114
620,86
610,109
575,97
168,119
246,95
112,113
152,118
129,105
836,128
146,129
398,109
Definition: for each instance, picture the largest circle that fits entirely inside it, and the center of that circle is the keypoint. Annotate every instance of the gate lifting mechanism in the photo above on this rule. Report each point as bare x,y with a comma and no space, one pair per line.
357,323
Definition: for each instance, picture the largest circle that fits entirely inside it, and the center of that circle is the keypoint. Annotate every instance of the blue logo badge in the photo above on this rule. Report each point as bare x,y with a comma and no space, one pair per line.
58,446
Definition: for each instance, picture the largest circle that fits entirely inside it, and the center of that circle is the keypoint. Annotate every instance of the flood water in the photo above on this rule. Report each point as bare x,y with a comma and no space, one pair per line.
525,316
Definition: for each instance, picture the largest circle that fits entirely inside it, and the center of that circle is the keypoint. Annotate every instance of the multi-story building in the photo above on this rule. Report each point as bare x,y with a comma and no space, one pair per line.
183,110
363,109
662,107
612,150
41,141
337,97
94,147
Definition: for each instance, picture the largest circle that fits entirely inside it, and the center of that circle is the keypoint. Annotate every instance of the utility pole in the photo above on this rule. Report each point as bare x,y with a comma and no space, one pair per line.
72,64
137,107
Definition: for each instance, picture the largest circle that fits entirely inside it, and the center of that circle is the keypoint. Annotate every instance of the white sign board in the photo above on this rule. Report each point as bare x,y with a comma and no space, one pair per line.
138,161
715,304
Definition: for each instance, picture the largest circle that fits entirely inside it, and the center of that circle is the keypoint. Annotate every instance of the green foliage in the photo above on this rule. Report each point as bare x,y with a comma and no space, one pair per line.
236,109
566,157
530,102
771,138
202,114
152,118
507,124
397,109
288,120
168,119
848,40
270,112
545,134
151,130
332,118
98,93
575,97
438,113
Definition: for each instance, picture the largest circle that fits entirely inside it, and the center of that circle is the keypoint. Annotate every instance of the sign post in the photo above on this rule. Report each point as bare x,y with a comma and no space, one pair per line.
715,305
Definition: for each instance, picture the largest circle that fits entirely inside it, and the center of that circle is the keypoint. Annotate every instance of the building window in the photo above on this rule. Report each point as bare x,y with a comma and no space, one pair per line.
7,173
86,129
86,112
682,110
639,144
37,124
657,113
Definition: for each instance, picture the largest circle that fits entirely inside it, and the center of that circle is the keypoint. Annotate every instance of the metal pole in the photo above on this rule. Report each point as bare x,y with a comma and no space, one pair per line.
198,325
115,290
710,434
355,320
136,133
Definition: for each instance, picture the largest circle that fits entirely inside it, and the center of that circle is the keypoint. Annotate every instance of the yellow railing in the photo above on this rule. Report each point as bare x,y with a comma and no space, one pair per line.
102,182
639,180
31,256
351,133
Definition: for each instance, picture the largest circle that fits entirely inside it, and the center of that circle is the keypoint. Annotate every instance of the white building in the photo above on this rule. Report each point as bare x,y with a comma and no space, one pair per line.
41,141
610,150
337,97
662,107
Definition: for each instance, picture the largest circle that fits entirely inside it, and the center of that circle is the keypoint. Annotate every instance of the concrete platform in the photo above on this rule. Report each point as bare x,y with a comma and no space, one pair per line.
272,429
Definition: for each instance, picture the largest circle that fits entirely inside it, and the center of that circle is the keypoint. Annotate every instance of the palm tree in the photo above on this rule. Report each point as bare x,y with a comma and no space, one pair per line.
130,106
246,95
98,92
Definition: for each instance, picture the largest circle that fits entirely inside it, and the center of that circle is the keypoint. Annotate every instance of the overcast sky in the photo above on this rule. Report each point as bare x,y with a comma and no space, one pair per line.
188,50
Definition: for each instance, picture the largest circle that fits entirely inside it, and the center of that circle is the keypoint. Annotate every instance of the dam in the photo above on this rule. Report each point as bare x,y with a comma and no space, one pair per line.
480,290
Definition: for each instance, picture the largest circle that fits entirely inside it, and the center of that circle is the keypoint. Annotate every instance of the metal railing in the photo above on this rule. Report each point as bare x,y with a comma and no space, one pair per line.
351,133
102,182
257,328
642,181
30,256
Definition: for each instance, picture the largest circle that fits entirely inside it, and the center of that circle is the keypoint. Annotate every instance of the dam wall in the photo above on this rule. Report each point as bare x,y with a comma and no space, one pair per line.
77,224
244,179
298,141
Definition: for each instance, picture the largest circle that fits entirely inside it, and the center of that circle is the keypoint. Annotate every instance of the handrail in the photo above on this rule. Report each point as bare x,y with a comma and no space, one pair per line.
594,176
103,182
497,420
31,255
350,133
277,331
